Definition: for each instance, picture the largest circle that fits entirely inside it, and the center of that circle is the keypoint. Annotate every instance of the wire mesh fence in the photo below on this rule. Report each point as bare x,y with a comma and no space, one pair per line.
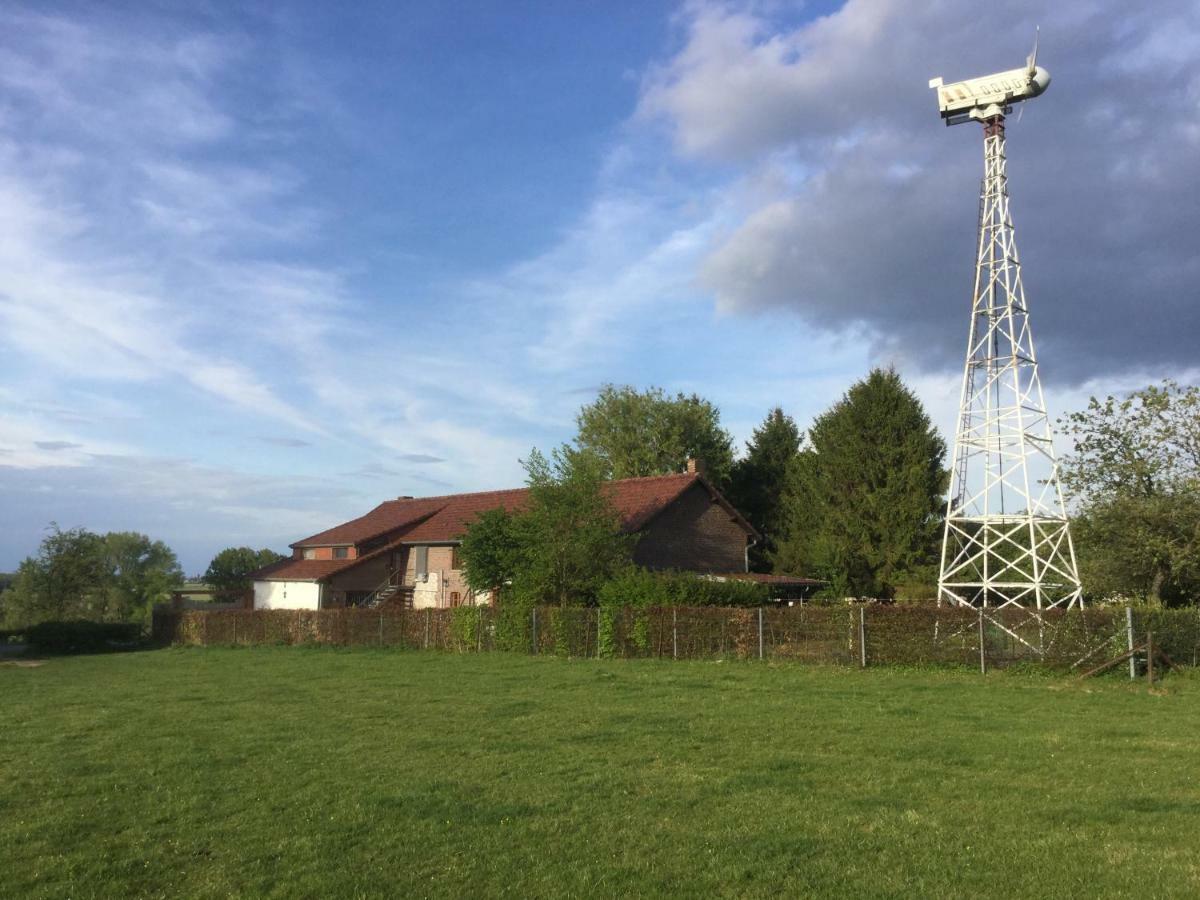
848,635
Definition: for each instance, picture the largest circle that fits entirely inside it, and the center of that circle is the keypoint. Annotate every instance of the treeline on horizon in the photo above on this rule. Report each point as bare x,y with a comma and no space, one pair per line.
855,500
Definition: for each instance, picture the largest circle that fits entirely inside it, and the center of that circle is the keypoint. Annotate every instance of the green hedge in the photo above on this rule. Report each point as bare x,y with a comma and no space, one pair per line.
640,587
81,636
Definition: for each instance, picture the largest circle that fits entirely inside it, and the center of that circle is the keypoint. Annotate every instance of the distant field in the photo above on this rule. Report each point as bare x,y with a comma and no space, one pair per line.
302,772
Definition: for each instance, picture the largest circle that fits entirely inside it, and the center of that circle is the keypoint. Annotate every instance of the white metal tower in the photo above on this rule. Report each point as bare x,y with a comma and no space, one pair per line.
1007,540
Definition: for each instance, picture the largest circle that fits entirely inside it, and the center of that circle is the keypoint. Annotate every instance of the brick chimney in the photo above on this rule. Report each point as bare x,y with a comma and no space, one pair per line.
695,466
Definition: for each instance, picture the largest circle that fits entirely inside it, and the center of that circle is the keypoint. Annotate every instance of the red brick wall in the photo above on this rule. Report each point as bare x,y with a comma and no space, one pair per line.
323,553
694,534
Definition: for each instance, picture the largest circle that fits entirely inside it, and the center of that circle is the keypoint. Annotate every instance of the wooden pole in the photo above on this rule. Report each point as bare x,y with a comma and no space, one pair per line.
760,633
381,628
674,632
862,636
535,646
1129,637
982,648
1150,657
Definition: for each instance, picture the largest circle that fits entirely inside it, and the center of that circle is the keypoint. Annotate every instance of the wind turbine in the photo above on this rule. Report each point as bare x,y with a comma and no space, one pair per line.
1007,540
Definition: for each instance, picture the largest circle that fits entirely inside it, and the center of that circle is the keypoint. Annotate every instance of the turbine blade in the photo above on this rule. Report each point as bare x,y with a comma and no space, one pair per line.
1031,59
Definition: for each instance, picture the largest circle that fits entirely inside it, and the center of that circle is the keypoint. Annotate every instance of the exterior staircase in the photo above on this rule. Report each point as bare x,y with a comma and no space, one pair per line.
391,593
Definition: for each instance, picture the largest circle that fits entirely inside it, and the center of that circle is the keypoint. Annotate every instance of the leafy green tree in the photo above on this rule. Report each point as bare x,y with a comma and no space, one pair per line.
142,572
489,551
636,433
863,502
562,547
1135,476
78,574
569,537
66,580
230,570
760,478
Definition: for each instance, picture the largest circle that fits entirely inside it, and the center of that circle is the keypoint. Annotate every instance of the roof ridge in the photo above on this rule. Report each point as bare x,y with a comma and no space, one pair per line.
452,496
520,489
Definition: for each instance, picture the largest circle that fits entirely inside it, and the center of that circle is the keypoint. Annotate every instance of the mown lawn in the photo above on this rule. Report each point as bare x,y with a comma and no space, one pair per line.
299,772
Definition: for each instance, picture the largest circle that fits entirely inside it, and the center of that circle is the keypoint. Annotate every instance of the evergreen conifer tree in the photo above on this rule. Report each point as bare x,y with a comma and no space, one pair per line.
760,478
864,499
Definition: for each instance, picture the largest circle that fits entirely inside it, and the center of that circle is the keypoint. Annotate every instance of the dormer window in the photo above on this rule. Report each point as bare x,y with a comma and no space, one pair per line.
310,553
341,552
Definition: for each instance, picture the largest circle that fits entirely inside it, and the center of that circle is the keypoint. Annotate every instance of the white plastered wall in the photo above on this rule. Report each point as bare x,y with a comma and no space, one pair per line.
427,593
287,595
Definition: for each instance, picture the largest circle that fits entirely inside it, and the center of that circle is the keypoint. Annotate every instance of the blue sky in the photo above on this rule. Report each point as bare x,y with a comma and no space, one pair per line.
262,269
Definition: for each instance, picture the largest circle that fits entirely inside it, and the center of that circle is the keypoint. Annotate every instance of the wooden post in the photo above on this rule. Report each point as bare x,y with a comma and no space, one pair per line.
862,636
674,632
479,629
1150,657
760,633
381,628
982,647
1129,637
427,614
535,646
235,629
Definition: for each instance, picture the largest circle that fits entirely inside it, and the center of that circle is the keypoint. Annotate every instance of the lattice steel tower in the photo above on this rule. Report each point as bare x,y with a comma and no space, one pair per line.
1007,540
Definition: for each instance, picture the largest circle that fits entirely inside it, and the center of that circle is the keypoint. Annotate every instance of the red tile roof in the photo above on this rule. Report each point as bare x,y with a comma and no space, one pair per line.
386,517
445,519
301,569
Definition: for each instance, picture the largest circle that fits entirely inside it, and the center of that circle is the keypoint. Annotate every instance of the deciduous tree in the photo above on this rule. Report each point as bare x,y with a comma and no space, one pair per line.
1135,477
81,575
230,570
635,433
562,546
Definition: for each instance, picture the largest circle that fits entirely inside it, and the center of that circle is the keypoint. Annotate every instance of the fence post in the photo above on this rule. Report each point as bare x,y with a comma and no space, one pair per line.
381,628
478,629
982,648
674,632
1129,636
760,633
235,630
535,646
1150,658
597,632
862,636
428,613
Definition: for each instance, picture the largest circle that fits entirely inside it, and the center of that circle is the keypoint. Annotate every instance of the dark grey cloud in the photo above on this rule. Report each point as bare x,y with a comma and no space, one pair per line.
57,445
876,231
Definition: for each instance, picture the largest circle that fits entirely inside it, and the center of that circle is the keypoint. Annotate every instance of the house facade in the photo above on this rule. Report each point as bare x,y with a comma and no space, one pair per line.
405,551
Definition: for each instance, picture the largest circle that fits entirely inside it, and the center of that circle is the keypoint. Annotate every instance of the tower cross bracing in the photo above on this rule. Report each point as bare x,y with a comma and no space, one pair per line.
1007,539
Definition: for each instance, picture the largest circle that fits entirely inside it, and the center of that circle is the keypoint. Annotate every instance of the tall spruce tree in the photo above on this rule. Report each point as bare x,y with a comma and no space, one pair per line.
863,503
760,478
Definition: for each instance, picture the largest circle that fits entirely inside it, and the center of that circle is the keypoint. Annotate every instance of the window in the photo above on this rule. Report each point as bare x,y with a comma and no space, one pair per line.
422,563
341,552
310,553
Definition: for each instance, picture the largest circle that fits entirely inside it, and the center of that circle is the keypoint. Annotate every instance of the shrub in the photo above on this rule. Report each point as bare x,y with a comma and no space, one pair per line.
81,636
640,588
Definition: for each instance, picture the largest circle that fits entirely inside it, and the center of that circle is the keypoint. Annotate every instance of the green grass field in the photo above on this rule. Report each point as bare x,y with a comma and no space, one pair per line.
324,773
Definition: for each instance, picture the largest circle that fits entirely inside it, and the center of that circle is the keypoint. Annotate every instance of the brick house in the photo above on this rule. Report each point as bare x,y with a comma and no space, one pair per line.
406,550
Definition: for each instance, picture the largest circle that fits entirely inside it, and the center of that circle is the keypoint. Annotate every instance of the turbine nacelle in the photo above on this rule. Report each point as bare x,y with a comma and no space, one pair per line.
991,95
